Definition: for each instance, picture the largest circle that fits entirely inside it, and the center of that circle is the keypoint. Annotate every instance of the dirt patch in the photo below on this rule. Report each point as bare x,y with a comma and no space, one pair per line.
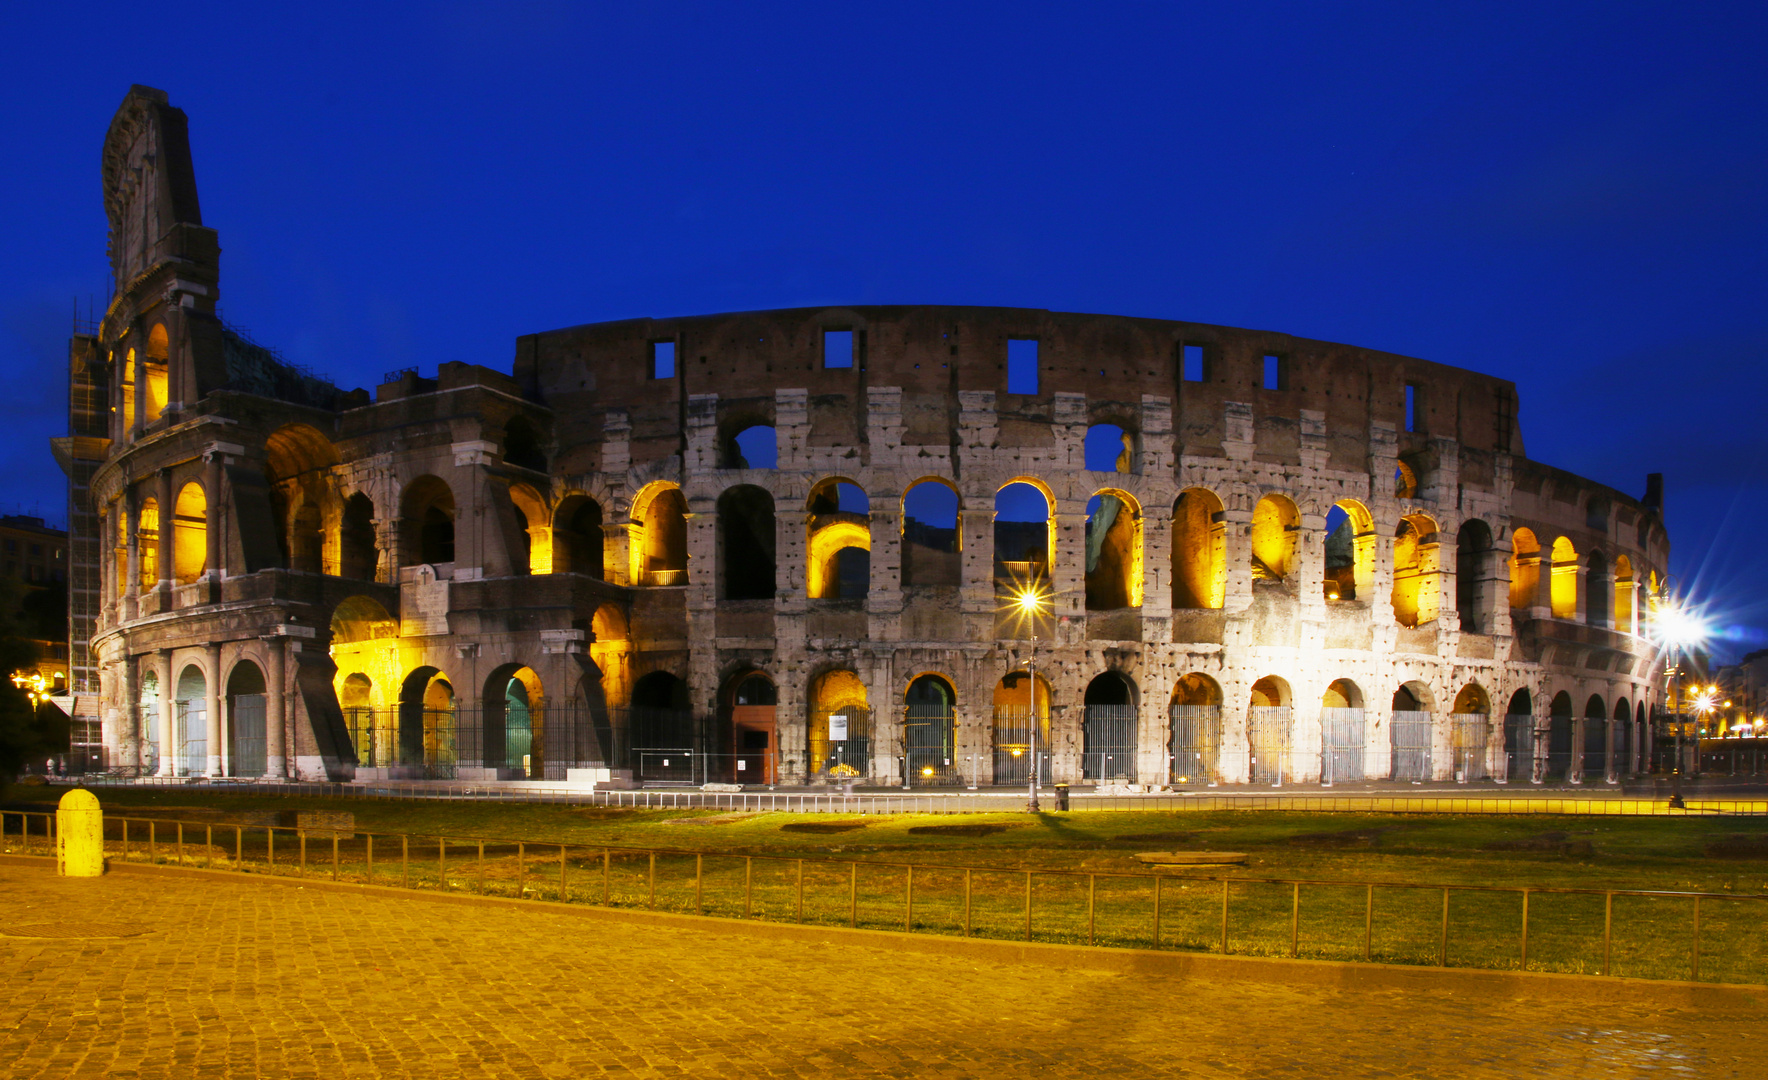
714,819
977,828
1155,838
1551,843
1738,846
823,826
1348,839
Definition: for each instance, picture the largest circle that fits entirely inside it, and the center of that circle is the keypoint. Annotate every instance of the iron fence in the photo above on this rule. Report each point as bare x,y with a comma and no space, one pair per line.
1471,734
1411,735
1342,736
1013,746
1108,743
1196,745
1642,933
929,733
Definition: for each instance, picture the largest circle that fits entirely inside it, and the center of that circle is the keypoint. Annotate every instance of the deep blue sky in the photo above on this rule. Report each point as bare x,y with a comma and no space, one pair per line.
1570,196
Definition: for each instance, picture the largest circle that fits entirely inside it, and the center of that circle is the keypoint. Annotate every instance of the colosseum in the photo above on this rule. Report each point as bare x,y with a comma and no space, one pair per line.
902,545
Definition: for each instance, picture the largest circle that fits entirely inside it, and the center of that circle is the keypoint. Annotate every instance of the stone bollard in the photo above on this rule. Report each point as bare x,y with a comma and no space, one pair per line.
79,835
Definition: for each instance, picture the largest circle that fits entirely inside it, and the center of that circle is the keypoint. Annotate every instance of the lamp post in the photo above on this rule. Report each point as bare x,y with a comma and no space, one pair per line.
1031,605
1678,630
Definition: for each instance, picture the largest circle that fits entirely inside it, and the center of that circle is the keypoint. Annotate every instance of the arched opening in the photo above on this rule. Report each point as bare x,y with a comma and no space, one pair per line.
1409,733
521,445
661,727
1473,552
119,546
154,373
659,536
1276,525
1196,715
1417,592
1624,621
1594,763
752,706
838,531
1200,564
426,528
754,447
126,396
190,535
1023,541
1471,732
513,725
1405,481
246,748
426,724
929,731
1519,737
533,553
358,556
1268,721
1114,551
930,534
1108,731
746,544
1343,732
1622,743
1110,449
147,545
148,711
840,726
375,748
190,723
1596,595
1350,551
1020,702
1559,737
1525,570
1565,579
578,542
298,465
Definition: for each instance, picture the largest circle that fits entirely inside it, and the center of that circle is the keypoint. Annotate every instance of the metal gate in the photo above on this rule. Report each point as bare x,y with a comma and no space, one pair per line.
1623,752
1267,740
1196,744
190,738
1559,747
1108,743
249,756
1411,745
1519,747
841,743
1595,759
927,744
1012,746
664,749
1341,745
1472,733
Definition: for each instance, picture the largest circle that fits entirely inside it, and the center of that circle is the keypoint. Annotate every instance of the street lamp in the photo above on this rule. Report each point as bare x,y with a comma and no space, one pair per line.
35,686
1679,630
1030,603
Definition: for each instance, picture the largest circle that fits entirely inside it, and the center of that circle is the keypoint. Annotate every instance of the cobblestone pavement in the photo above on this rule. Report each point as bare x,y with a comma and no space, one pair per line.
244,979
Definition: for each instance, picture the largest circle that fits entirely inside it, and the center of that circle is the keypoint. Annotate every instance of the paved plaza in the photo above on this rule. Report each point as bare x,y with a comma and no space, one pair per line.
149,975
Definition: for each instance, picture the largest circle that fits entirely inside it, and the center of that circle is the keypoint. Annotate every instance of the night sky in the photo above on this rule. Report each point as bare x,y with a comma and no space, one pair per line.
1569,196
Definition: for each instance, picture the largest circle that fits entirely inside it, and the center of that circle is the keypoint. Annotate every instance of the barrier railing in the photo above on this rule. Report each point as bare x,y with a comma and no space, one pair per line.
1646,933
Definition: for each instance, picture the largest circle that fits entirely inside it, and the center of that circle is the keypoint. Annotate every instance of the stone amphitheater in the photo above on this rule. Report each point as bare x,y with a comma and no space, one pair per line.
909,545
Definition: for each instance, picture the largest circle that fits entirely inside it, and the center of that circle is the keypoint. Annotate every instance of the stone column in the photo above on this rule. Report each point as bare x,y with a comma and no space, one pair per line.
168,752
276,737
130,507
212,503
168,545
214,736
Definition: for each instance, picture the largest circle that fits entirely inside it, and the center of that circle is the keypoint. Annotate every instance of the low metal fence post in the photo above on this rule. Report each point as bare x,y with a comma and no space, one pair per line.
1608,924
153,846
1294,919
481,868
269,852
125,823
699,869
1525,930
442,863
239,846
1443,942
180,838
607,883
368,858
800,890
208,846
521,869
1224,917
301,869
748,881
563,889
334,855
966,903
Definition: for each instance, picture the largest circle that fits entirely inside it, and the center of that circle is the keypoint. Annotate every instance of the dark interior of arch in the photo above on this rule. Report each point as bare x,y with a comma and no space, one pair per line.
521,445
436,536
756,689
930,535
1473,544
931,691
582,540
1108,689
746,544
356,546
1406,701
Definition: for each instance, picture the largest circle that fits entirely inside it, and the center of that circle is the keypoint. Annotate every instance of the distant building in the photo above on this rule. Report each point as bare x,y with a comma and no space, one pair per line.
36,555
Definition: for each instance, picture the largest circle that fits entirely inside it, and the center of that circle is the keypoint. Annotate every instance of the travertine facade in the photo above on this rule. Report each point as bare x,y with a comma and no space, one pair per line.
580,565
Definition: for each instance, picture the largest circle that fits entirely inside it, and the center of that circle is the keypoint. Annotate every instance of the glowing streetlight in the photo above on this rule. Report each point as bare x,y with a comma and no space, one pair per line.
1030,603
1677,629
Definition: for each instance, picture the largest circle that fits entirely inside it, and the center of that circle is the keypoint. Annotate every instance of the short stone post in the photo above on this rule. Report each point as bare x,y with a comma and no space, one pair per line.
79,835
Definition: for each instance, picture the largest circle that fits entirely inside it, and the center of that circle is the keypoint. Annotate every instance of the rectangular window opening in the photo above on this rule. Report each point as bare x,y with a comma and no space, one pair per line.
1192,361
1021,365
662,359
1411,407
1275,376
837,348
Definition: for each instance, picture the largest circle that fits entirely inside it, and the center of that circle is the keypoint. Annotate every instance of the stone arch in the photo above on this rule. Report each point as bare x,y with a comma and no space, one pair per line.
513,722
426,527
190,534
1108,728
661,728
1021,706
1624,740
1276,526
1596,589
147,544
930,730
1024,536
155,373
1624,595
357,698
534,553
578,542
838,539
1564,589
659,535
1559,736
247,751
1343,732
1269,722
1350,551
1114,551
1525,569
1195,737
364,640
746,569
932,519
358,554
1594,760
298,464
1417,590
190,721
426,728
1199,550
1405,481
1473,553
750,702
1409,731
840,725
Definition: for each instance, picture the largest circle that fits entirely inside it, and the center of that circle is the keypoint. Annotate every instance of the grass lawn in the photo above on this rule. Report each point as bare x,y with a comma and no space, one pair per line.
749,865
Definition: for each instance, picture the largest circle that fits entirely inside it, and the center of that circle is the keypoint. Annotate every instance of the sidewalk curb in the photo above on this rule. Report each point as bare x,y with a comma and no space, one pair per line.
1323,974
